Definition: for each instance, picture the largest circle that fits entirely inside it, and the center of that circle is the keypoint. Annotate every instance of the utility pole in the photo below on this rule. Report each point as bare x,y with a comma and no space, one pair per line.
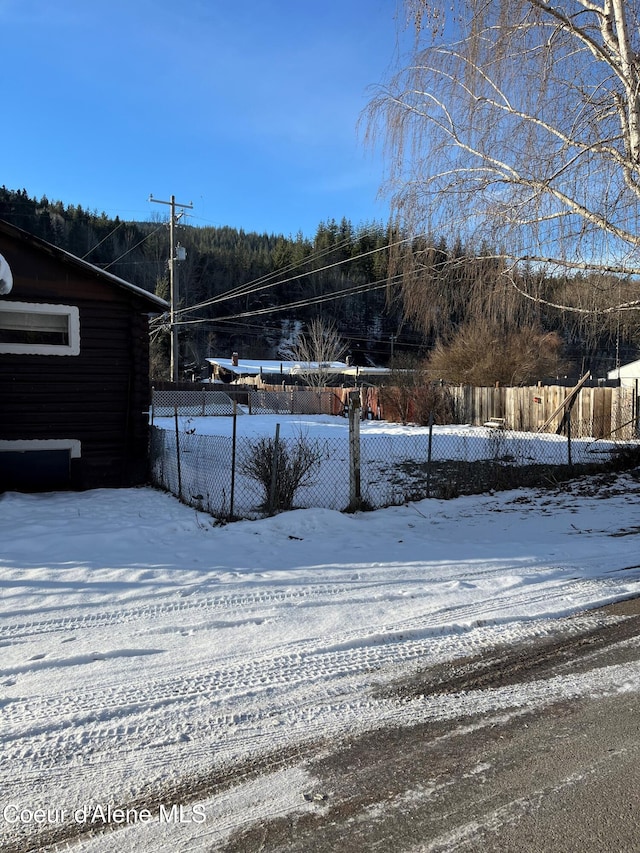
173,279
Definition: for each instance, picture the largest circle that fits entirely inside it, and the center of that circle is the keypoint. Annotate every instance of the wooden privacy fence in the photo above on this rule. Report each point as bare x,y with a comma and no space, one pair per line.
597,412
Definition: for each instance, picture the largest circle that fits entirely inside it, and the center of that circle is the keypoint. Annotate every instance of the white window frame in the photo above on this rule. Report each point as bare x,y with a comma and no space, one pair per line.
70,311
24,445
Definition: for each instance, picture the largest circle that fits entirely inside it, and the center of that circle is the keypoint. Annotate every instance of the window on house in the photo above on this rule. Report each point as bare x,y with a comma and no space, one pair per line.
39,329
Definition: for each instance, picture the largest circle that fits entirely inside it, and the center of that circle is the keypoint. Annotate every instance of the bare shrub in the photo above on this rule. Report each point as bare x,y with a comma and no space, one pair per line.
433,404
411,397
482,353
281,468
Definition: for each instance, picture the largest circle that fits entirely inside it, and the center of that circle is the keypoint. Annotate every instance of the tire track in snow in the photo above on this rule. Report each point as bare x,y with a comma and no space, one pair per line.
105,710
285,694
185,606
312,660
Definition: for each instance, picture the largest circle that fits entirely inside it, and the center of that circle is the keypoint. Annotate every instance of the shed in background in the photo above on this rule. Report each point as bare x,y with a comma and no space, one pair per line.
628,374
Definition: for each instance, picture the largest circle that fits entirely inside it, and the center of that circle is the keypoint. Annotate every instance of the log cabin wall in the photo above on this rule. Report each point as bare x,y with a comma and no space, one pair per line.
75,420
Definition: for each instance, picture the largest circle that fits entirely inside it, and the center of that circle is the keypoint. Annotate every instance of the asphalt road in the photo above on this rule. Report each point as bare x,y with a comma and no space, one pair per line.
565,778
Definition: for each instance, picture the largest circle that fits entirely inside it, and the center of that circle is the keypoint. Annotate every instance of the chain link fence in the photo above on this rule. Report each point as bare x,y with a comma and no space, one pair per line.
243,477
196,403
203,402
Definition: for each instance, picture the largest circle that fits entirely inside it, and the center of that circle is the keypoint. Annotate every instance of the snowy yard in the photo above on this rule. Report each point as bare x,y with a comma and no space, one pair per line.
145,648
394,460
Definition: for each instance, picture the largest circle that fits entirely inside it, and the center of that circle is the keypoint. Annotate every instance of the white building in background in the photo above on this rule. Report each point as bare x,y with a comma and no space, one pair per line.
628,374
236,369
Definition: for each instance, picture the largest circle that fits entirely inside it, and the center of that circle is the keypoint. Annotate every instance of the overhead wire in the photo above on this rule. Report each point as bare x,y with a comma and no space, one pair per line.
319,300
251,290
266,281
222,321
269,280
93,248
301,303
273,328
275,278
256,286
276,330
139,243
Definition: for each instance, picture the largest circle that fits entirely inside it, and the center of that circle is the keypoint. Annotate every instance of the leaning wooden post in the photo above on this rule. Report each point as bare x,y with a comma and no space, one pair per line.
355,493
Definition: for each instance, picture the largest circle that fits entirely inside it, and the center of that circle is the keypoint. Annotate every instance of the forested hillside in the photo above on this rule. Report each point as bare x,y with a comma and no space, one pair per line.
258,288
388,297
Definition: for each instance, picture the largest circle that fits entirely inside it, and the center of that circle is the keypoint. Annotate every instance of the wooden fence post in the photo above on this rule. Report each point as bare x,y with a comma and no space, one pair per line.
274,471
175,412
355,493
233,458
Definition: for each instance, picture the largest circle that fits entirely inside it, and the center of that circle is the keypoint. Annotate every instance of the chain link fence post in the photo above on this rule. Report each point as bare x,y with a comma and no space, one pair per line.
429,454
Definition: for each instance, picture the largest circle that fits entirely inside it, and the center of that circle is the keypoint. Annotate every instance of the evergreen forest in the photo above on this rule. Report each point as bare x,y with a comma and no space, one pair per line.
396,301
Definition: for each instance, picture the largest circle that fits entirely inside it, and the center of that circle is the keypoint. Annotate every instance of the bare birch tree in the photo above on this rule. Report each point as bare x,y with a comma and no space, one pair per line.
517,122
315,351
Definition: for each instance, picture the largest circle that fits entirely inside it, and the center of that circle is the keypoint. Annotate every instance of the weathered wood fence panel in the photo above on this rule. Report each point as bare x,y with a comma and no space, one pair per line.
597,412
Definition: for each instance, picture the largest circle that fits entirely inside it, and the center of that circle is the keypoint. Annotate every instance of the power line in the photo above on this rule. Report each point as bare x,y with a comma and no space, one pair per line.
271,279
159,228
302,303
119,225
328,297
250,288
224,322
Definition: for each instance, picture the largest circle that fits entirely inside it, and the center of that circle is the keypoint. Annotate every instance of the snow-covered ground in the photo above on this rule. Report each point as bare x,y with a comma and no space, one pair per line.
393,458
142,645
456,441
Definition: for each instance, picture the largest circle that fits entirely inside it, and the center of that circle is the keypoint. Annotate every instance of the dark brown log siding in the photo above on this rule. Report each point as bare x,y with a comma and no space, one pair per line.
99,397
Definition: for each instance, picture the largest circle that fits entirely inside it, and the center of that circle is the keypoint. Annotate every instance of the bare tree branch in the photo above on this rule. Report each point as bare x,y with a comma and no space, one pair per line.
524,128
315,352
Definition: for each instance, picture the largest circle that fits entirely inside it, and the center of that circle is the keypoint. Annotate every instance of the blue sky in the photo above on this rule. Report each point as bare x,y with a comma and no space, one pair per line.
248,109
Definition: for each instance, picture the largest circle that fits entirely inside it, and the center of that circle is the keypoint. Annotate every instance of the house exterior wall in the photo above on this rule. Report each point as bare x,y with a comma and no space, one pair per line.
628,374
94,402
